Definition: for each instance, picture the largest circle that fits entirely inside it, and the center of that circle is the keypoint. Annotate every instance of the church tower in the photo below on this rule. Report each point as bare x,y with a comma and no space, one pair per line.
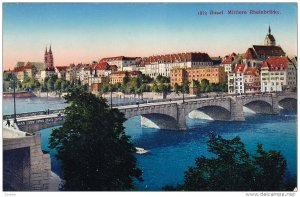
270,40
48,58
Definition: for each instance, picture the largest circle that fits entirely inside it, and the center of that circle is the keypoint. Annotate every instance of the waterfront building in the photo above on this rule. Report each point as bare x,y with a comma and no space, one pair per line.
27,71
48,72
277,74
118,76
123,63
162,64
236,80
61,71
251,80
227,62
214,74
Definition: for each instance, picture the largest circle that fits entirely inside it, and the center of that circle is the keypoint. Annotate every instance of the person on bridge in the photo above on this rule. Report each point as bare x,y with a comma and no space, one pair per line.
7,123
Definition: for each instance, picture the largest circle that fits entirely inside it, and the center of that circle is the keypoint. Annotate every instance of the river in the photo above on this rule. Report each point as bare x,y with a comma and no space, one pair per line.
171,152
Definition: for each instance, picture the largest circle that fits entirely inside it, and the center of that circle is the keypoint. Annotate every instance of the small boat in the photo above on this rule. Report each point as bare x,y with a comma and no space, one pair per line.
141,150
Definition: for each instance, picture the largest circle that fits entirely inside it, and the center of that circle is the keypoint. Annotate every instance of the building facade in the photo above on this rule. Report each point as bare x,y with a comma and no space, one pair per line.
275,75
162,64
214,74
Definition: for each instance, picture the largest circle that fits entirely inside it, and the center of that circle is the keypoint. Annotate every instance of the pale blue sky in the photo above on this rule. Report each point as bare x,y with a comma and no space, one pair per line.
87,32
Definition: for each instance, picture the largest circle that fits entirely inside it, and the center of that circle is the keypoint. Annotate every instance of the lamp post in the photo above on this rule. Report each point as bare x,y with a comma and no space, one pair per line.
110,97
15,114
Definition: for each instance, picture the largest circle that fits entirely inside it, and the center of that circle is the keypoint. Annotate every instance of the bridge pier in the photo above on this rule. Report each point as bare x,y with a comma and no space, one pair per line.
236,110
181,117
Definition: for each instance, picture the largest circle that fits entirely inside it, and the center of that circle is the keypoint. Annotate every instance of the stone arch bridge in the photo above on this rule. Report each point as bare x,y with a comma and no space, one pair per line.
172,115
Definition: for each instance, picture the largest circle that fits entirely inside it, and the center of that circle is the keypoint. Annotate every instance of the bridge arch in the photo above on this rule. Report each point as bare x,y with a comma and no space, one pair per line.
288,103
260,106
213,111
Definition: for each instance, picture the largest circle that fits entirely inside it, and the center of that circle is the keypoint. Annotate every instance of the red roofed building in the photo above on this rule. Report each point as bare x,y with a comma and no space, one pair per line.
227,62
277,74
258,53
251,80
25,71
162,64
122,62
236,80
61,71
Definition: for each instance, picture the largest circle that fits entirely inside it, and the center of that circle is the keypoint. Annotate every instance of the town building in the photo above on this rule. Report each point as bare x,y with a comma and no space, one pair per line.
236,80
277,74
61,72
162,64
47,73
214,74
123,63
118,76
23,72
251,80
227,62
258,53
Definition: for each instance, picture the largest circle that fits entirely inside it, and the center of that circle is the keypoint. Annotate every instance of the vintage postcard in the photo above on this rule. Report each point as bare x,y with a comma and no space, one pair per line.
150,97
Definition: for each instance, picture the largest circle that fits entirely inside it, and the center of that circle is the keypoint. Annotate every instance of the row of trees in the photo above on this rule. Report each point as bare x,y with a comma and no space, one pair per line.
138,85
50,84
97,155
203,87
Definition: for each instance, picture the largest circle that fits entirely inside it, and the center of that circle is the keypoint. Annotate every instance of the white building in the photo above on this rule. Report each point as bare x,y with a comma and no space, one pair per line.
236,80
162,64
276,74
123,63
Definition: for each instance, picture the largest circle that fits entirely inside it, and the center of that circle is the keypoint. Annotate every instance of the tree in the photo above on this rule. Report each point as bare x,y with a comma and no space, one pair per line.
177,88
50,84
57,85
234,169
203,85
95,152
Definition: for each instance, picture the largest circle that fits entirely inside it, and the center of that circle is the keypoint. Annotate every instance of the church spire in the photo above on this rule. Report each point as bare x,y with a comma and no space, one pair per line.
269,29
46,50
50,49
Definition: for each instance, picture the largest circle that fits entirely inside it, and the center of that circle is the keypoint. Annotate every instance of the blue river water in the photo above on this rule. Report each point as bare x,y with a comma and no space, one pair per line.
172,152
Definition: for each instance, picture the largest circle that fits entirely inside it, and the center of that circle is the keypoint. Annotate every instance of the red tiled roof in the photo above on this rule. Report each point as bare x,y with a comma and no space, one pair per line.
250,54
178,57
102,66
19,69
239,68
275,63
60,68
268,50
251,71
228,59
107,59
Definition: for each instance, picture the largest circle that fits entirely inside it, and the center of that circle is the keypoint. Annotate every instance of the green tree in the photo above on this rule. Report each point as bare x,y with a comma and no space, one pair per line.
177,88
126,78
203,85
234,169
57,85
95,152
50,84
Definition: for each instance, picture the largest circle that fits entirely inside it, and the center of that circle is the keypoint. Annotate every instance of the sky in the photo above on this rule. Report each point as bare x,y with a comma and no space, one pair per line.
88,32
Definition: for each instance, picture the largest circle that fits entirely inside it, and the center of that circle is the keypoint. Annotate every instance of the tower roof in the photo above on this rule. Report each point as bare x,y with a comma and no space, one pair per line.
269,29
46,50
50,51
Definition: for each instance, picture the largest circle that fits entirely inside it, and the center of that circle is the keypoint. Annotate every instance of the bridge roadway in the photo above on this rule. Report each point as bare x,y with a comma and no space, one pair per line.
171,114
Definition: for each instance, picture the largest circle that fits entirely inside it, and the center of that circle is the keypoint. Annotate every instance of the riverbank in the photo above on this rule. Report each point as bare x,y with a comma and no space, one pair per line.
49,94
22,94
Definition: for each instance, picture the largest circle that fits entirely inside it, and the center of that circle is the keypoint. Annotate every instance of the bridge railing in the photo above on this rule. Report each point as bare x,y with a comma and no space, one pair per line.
45,112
